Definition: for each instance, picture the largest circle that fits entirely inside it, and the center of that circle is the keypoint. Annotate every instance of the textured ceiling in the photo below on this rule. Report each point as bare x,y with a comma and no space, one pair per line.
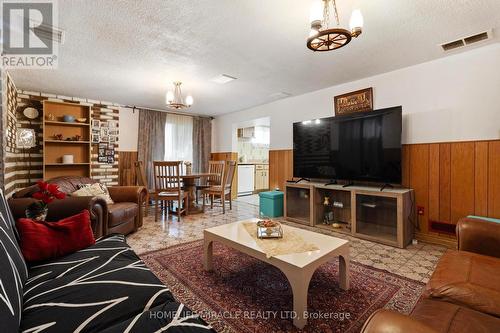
130,51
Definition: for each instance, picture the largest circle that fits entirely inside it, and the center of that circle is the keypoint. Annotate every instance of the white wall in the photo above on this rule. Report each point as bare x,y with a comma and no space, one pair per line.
129,127
450,99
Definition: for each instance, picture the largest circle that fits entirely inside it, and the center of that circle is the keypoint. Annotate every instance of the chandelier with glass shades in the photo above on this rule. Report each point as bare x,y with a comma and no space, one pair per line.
174,98
323,38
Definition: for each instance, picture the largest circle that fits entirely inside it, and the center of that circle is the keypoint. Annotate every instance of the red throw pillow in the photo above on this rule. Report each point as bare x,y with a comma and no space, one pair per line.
42,240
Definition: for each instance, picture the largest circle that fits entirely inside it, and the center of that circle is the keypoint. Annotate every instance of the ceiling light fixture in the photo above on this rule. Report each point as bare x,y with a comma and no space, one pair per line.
174,98
323,38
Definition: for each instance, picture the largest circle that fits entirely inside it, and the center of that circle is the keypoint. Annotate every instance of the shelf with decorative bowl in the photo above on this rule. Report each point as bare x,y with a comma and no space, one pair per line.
65,123
67,141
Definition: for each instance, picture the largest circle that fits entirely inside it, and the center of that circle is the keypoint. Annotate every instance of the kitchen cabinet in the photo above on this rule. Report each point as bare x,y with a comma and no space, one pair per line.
261,177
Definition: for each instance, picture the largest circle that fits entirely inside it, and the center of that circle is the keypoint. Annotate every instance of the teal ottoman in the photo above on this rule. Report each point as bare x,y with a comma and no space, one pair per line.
271,203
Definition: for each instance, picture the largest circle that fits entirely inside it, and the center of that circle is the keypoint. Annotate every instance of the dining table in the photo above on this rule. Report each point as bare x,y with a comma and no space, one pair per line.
189,181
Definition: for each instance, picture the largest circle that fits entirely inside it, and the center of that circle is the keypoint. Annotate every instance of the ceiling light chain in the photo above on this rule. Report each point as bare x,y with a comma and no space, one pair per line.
326,14
334,4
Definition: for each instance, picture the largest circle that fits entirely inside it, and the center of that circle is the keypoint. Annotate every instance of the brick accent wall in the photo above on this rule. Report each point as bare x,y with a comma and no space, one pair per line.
23,169
3,117
12,164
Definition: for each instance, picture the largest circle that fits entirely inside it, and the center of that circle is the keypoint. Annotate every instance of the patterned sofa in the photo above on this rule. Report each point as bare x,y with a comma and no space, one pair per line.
103,288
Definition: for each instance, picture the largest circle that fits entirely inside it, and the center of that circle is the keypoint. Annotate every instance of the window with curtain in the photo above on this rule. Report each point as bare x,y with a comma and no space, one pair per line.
178,138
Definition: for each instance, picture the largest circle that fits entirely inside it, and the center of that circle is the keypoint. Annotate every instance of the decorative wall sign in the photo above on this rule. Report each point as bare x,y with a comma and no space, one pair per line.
352,102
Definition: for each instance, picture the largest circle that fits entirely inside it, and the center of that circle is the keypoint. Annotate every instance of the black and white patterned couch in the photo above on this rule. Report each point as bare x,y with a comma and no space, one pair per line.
103,288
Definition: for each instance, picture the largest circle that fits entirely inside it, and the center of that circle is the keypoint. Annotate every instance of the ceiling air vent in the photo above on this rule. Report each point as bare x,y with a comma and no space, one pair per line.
453,45
280,95
223,79
476,38
466,41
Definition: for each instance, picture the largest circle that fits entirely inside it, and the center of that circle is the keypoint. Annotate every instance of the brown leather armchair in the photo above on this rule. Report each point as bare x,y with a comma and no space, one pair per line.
463,294
124,216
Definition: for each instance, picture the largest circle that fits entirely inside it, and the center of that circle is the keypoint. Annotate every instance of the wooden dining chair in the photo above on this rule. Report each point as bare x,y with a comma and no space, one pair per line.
168,187
223,191
141,180
217,169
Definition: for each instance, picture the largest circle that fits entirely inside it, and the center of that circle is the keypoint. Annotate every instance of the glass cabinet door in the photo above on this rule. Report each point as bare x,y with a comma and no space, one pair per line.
377,216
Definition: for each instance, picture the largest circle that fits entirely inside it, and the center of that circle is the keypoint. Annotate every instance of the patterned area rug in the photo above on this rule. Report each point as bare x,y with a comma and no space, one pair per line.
243,294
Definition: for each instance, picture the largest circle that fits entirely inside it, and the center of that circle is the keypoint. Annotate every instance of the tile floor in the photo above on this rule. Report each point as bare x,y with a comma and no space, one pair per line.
416,262
250,199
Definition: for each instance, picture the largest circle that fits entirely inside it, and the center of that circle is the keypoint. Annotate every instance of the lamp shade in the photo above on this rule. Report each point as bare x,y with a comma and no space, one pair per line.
25,138
316,13
356,20
170,97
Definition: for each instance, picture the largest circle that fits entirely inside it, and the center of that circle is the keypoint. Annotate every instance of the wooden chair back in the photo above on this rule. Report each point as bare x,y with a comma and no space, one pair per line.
167,176
229,177
182,168
141,174
216,167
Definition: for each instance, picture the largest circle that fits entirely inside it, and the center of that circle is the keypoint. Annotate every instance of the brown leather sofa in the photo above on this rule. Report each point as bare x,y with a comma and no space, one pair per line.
124,216
463,294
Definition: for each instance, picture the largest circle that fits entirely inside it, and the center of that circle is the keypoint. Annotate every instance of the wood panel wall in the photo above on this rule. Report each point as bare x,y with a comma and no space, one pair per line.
450,180
127,175
280,168
229,156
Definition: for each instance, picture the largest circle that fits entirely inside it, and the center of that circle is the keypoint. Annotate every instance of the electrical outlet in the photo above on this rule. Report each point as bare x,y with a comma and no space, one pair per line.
420,210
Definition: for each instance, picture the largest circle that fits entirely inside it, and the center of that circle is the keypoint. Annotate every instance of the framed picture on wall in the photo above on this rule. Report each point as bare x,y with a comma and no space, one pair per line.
95,123
105,138
112,123
95,138
104,131
113,131
353,102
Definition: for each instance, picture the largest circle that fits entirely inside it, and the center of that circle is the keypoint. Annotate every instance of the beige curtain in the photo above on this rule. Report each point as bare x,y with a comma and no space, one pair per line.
202,143
151,142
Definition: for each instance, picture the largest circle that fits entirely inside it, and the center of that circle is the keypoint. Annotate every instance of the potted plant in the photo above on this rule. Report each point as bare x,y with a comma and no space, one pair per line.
46,194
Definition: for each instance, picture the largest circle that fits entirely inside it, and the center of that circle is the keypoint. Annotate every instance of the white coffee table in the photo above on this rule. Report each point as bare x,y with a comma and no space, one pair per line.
297,267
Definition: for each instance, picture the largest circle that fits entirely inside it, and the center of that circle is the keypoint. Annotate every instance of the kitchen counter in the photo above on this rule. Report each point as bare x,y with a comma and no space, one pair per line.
253,163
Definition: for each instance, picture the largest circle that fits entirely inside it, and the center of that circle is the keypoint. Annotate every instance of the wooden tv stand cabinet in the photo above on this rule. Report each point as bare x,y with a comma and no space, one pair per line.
361,211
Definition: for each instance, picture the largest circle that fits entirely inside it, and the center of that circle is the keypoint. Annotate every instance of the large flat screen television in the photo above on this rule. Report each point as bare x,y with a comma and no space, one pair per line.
362,147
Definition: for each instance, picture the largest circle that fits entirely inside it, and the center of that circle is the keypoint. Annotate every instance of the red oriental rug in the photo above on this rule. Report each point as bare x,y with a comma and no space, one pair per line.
243,294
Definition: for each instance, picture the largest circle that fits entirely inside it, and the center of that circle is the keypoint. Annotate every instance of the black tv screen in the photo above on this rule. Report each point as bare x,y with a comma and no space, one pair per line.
364,147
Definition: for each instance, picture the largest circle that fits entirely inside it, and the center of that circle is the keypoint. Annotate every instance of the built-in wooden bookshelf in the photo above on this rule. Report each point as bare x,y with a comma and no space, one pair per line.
54,149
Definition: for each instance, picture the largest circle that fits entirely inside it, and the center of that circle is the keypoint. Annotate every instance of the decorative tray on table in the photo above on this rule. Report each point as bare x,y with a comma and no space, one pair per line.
269,229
